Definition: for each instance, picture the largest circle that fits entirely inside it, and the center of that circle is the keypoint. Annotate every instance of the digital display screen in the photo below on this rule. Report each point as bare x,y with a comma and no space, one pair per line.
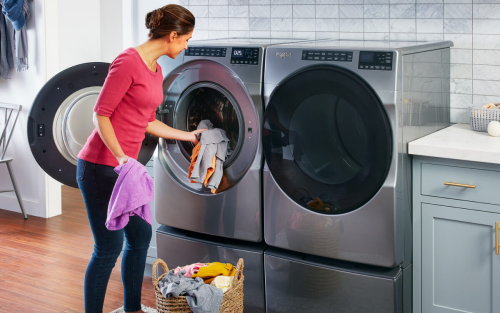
366,57
238,53
244,55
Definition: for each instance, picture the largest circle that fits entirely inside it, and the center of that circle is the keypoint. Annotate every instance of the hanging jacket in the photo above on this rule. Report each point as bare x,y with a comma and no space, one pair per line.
131,195
6,58
13,10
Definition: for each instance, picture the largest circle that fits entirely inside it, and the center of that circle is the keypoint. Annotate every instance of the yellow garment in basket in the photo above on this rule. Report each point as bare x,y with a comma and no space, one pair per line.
223,282
212,270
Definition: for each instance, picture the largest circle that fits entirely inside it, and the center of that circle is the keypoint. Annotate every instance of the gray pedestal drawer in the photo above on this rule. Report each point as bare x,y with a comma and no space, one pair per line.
298,283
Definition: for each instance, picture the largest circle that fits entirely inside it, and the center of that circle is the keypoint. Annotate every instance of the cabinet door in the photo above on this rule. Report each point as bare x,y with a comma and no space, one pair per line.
460,267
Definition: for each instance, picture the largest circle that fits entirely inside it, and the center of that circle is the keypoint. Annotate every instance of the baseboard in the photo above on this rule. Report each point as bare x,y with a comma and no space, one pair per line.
8,202
148,271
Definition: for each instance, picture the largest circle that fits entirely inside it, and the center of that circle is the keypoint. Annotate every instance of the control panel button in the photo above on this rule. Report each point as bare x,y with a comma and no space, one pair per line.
206,52
339,56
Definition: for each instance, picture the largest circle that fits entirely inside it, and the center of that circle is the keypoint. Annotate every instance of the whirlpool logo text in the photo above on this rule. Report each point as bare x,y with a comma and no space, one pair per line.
283,55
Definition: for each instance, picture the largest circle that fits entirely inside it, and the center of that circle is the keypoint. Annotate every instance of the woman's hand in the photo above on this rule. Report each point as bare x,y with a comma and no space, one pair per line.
159,129
123,159
194,133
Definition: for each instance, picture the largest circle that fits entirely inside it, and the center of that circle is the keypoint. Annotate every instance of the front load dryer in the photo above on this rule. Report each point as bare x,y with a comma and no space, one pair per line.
337,179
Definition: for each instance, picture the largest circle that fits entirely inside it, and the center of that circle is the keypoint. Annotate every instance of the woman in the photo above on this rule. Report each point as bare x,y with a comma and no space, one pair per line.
124,111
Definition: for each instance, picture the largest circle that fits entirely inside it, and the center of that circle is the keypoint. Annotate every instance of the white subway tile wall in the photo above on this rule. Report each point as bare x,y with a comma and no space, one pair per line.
472,25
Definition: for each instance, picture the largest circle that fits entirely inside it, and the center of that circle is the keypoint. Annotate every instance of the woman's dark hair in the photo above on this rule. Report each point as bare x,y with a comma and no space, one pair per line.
170,18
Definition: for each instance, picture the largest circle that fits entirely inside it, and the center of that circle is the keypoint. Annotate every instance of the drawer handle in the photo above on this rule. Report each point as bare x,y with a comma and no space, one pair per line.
496,236
459,185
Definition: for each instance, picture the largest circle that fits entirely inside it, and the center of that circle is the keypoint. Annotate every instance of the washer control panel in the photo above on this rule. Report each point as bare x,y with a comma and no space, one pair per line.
206,52
248,56
321,55
375,60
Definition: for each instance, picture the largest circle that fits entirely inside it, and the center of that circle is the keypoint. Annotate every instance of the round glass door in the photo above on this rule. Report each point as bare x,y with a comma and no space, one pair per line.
206,90
327,139
208,101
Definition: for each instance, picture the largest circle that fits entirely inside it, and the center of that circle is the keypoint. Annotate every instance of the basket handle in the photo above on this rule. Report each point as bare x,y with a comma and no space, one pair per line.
239,270
155,266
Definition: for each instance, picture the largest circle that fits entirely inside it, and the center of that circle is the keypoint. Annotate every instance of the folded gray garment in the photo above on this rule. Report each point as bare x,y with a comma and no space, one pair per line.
214,142
201,297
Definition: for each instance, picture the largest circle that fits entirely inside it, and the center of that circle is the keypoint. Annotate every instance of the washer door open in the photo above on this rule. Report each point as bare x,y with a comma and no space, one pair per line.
202,90
60,120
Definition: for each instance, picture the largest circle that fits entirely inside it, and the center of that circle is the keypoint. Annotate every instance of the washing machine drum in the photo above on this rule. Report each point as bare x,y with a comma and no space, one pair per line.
327,139
206,90
60,120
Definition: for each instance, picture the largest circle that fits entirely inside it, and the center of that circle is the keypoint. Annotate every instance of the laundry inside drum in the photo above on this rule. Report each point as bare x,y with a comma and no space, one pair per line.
205,103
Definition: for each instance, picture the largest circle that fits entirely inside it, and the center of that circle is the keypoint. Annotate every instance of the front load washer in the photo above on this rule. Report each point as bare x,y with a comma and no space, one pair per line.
219,80
337,179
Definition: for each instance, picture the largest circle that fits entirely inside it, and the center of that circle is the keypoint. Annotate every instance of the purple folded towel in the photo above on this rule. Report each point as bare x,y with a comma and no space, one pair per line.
131,195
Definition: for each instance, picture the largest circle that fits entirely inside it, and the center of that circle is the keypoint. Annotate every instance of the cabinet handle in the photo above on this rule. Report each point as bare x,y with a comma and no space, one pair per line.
496,236
459,185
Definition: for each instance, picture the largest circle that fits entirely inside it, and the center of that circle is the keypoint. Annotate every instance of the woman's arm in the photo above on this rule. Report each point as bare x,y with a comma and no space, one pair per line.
107,134
159,129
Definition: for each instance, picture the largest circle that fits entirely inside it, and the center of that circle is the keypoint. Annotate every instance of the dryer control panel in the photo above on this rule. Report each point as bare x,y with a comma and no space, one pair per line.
375,60
320,55
206,52
248,56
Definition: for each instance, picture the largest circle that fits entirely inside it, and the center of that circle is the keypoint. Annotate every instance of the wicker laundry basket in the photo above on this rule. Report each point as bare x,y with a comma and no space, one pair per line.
232,302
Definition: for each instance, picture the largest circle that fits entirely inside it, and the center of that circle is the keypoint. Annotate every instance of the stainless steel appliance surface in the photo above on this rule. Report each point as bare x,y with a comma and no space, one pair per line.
219,80
337,180
305,283
179,247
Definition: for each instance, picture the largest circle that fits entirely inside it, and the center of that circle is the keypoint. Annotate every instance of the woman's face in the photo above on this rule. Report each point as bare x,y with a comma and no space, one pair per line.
177,44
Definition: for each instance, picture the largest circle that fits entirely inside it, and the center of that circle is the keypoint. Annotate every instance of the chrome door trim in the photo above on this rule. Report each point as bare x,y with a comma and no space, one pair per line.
61,122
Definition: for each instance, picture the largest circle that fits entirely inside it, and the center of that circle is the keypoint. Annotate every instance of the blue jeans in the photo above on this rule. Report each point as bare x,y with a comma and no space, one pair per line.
96,183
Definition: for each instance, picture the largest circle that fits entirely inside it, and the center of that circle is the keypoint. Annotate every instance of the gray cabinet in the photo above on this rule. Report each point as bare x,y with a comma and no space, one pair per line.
456,267
460,269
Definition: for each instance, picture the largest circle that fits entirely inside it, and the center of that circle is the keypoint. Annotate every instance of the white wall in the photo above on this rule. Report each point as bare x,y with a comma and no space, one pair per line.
21,88
135,31
111,12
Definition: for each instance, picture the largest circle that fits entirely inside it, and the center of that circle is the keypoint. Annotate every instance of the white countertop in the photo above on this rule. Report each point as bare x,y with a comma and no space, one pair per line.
458,142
